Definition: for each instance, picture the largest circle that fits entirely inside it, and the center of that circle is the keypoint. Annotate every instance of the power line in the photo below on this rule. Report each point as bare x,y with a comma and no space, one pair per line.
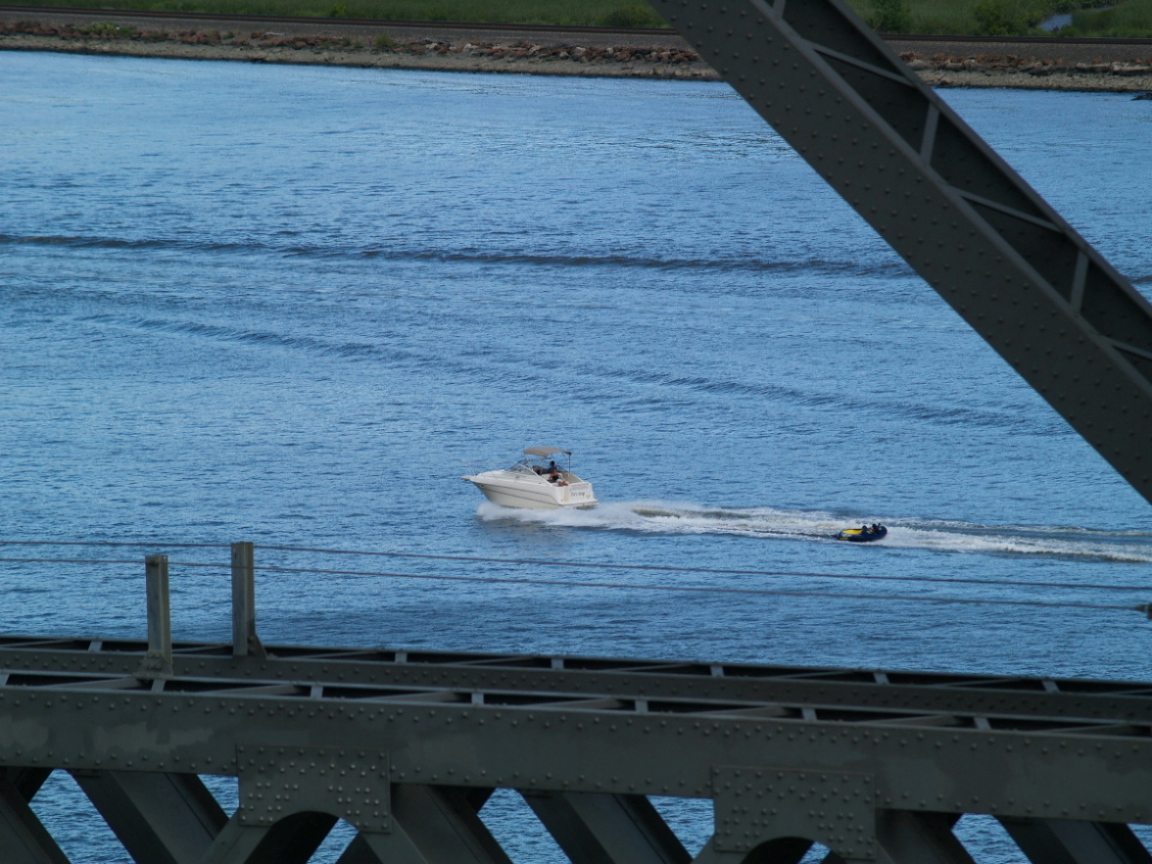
135,561
664,568
955,580
114,543
540,562
770,592
567,583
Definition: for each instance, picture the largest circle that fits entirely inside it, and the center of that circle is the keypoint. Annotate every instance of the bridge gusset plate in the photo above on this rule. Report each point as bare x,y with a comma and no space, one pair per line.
754,805
280,781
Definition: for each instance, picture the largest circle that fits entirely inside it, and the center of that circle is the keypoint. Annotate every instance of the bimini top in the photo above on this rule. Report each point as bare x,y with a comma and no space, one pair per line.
545,452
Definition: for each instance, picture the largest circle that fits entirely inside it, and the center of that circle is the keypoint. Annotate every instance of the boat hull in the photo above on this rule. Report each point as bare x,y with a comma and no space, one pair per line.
532,493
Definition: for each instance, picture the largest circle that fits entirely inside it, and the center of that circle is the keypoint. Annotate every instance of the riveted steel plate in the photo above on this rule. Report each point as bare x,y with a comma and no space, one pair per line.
276,782
754,805
1119,701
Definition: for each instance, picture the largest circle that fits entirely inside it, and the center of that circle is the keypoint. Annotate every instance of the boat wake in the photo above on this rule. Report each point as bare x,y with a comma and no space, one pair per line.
662,517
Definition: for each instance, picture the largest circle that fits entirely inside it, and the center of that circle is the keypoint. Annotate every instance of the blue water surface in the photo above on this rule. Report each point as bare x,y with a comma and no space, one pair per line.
294,305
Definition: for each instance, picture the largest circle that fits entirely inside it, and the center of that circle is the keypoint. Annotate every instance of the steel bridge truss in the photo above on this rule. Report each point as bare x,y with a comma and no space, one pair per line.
408,747
1043,298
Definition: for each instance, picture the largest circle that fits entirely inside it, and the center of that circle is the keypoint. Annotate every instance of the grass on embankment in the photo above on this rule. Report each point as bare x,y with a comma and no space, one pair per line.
564,13
1006,17
1132,19
960,17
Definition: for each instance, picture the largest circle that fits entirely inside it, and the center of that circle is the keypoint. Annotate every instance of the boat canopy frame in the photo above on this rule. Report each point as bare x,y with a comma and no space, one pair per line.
545,452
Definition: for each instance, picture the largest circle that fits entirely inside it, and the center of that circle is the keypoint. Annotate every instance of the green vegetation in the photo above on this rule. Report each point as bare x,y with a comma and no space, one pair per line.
636,15
567,13
997,17
1133,19
971,17
891,16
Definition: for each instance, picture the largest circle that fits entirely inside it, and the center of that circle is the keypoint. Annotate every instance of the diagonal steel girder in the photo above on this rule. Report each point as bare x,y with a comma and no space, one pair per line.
1043,298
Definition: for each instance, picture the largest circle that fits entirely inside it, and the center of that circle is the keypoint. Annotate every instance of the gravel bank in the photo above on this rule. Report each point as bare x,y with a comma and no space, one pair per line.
333,44
1055,65
1061,66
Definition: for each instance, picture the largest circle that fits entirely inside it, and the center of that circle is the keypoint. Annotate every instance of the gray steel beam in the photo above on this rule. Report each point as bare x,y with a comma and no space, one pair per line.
1121,701
160,818
607,829
782,850
920,838
235,843
556,746
244,638
23,838
442,825
395,848
292,840
157,661
1063,841
27,781
410,765
1043,298
360,852
709,855
308,695
422,761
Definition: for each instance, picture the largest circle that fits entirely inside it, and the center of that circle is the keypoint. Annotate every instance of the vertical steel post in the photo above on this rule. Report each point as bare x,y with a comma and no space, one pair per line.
245,642
158,661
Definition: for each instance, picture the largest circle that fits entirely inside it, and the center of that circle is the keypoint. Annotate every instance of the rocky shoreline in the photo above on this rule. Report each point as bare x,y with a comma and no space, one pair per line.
1031,73
939,63
543,57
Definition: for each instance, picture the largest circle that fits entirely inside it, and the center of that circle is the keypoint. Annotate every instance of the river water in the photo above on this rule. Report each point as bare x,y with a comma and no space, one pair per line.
294,305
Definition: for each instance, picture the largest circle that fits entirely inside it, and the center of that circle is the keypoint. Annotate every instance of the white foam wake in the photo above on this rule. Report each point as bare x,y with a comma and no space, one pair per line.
668,517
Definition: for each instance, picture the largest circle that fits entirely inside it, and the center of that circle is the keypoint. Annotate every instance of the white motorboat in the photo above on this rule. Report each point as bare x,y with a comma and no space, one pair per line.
536,482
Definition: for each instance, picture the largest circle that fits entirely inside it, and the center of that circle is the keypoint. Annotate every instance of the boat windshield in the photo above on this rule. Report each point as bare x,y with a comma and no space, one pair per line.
526,466
538,467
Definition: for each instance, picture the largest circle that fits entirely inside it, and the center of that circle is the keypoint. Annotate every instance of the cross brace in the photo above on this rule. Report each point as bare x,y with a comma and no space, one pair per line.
410,767
1043,298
